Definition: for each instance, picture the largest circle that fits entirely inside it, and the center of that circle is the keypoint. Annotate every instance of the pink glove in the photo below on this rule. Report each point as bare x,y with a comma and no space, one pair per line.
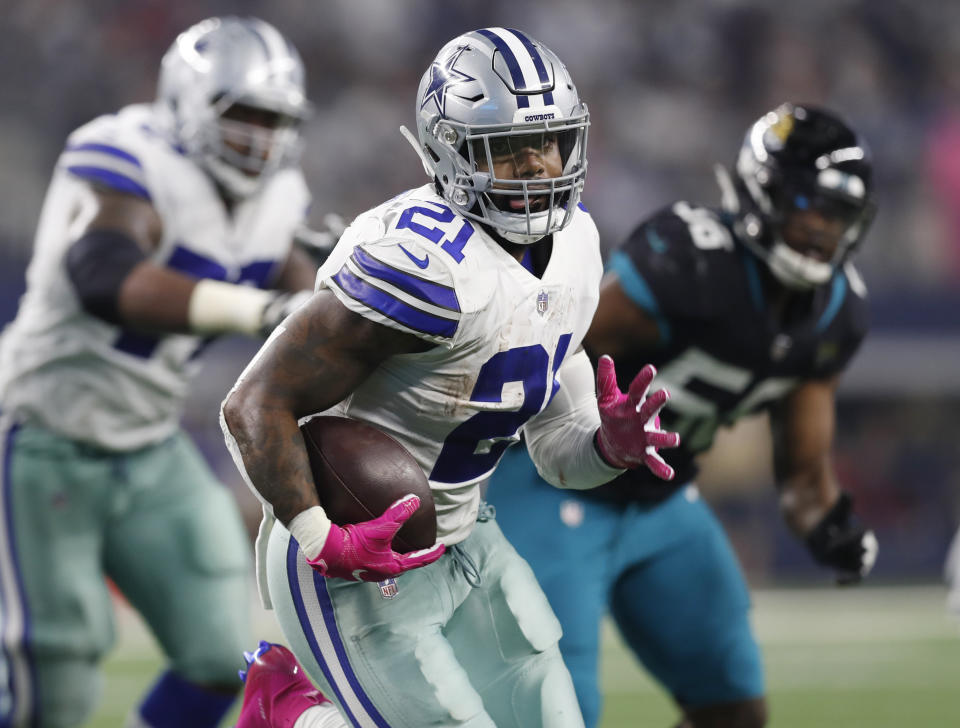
363,552
630,433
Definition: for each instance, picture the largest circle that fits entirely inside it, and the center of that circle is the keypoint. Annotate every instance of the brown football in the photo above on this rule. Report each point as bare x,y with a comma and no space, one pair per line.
359,471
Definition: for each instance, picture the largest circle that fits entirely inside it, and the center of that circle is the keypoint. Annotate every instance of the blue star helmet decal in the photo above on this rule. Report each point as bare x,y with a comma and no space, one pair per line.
443,75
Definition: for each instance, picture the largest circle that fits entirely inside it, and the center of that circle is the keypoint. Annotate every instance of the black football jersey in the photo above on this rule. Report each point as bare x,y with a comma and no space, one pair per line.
722,354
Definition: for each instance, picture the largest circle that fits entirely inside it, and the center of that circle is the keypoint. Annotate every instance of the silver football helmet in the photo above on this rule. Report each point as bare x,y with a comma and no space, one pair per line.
233,92
490,98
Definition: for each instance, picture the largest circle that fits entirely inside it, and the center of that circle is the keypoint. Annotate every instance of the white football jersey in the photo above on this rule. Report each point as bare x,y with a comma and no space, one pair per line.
502,333
99,383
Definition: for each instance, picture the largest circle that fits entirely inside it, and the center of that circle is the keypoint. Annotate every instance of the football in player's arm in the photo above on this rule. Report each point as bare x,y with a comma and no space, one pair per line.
749,307
449,317
164,224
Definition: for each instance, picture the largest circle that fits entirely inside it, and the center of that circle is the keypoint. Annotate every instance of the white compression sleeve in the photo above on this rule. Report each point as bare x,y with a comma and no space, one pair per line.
560,439
217,308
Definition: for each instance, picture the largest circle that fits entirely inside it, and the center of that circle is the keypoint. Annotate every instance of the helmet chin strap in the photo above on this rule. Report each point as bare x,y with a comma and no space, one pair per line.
792,269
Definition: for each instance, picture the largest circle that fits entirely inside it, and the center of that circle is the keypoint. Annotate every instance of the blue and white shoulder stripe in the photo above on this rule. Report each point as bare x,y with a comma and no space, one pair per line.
107,163
401,283
526,66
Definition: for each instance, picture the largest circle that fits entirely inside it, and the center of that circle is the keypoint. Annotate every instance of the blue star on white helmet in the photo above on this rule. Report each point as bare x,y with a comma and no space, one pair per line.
443,75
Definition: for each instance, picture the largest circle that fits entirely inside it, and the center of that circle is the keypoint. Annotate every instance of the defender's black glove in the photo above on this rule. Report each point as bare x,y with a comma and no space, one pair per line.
842,543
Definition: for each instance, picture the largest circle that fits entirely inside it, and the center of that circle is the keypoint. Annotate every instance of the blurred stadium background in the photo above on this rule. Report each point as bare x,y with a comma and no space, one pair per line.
671,87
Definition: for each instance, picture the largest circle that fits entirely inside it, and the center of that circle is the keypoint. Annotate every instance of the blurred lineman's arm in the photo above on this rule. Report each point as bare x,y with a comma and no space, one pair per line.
112,275
810,498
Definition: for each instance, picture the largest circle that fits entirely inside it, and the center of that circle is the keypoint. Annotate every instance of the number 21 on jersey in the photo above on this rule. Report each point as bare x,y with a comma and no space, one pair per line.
475,446
442,214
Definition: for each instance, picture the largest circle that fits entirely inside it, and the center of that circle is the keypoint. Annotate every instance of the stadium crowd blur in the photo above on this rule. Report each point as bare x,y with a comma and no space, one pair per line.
671,88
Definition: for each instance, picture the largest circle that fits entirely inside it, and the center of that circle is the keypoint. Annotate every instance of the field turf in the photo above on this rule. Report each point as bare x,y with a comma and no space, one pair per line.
871,657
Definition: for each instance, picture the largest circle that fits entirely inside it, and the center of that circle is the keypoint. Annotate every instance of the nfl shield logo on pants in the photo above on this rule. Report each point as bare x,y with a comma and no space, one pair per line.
388,588
542,301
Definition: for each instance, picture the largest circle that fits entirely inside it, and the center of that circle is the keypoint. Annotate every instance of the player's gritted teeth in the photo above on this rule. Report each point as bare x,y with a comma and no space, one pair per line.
512,199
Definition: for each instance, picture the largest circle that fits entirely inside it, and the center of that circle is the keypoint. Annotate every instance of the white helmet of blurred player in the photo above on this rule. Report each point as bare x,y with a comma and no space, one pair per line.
233,91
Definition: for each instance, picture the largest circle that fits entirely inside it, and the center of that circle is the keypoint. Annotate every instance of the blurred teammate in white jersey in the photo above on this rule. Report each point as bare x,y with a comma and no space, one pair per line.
451,318
164,224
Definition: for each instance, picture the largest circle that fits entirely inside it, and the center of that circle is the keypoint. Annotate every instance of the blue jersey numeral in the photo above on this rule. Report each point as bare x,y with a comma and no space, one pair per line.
461,458
435,235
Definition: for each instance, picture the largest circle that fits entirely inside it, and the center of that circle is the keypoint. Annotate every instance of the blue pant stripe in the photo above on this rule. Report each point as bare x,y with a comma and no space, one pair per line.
292,550
329,619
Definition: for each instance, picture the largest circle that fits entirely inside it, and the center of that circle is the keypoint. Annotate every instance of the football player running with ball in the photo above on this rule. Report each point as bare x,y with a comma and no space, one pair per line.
164,224
753,306
450,317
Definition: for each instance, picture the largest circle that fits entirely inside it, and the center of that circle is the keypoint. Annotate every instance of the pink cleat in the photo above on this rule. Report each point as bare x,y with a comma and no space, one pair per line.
277,691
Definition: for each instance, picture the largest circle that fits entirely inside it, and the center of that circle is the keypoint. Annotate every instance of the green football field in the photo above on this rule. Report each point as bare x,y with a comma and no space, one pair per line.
870,657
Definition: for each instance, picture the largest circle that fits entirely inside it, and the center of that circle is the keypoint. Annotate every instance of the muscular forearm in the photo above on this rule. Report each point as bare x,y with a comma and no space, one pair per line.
156,299
806,496
321,354
306,367
162,300
270,452
822,516
114,281
803,427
